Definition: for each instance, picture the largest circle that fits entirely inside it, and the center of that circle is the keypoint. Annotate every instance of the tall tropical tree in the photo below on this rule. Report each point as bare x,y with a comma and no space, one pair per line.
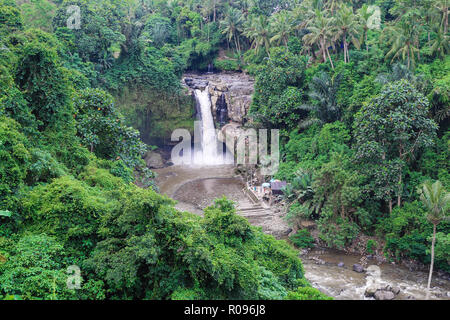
232,26
347,27
364,14
442,6
402,36
440,44
332,5
281,24
437,201
257,29
305,13
321,34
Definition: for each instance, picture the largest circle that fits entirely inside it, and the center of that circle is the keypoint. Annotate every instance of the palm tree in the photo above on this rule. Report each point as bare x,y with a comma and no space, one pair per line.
281,24
442,6
323,94
437,201
232,26
301,191
320,33
398,72
305,13
402,38
347,26
440,44
332,5
364,15
257,30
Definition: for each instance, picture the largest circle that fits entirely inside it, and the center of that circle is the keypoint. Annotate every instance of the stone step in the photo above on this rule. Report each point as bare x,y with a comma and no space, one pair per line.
250,209
256,216
257,213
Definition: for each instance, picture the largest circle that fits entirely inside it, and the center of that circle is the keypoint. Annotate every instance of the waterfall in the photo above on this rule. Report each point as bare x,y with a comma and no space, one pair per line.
209,154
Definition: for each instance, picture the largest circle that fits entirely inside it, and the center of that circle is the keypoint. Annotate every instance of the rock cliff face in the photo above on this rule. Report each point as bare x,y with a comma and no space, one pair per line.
231,94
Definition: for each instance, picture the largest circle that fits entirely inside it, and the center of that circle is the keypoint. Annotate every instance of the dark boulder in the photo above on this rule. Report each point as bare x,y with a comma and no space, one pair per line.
358,268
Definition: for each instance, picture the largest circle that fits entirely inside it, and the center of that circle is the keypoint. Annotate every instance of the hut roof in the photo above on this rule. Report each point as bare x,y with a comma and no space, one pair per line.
278,186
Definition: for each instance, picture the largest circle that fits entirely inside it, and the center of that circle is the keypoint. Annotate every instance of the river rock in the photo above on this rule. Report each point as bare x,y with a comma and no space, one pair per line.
304,252
154,160
358,268
387,287
318,261
370,291
395,290
384,295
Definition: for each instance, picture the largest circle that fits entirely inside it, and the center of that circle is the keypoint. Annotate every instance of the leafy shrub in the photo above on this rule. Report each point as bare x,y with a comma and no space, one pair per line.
44,167
407,232
14,159
371,246
67,209
307,293
35,270
227,64
303,239
336,232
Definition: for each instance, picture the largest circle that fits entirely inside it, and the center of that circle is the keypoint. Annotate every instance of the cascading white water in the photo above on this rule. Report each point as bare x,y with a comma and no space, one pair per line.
209,154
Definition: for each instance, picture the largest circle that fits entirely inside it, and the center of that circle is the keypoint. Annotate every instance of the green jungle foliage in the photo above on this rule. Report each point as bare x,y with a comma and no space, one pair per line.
362,104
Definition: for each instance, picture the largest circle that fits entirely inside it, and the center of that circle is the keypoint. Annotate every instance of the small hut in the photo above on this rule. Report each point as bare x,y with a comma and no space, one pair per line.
277,187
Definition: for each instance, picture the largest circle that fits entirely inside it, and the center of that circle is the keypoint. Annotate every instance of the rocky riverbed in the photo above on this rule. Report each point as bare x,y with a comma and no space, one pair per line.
353,277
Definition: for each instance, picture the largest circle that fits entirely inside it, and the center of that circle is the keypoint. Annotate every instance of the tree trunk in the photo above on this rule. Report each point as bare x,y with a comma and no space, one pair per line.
345,54
346,50
236,43
390,206
329,57
324,53
445,20
345,47
239,44
400,190
408,59
432,262
365,40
